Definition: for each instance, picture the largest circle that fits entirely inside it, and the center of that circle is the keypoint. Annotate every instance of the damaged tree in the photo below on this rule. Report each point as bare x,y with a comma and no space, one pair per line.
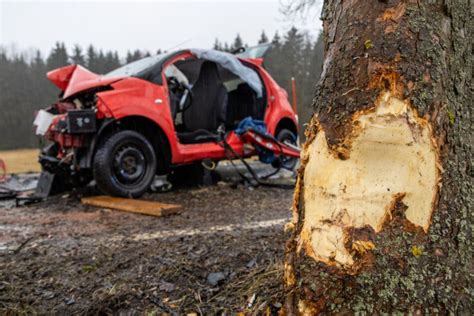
382,205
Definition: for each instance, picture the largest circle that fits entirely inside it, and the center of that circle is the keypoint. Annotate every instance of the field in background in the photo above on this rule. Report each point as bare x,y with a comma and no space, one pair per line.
21,160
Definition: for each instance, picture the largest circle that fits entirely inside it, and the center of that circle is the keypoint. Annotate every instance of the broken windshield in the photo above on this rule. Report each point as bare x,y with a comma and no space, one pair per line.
136,67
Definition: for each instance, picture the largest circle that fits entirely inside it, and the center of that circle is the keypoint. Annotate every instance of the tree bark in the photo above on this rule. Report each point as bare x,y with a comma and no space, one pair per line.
382,207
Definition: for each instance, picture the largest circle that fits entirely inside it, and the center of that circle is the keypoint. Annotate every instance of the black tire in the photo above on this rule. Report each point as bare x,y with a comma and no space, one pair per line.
285,135
125,164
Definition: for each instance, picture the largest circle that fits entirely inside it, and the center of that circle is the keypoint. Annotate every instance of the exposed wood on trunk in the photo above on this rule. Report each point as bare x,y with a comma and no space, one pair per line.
382,204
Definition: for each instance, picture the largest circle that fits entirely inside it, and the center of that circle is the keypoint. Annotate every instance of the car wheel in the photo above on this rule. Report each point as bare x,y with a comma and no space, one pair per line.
125,165
285,135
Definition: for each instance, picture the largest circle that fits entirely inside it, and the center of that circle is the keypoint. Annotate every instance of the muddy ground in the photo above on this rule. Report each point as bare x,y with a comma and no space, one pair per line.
222,255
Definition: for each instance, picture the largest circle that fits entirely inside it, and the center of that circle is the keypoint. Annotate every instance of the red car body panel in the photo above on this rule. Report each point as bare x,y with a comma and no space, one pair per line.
131,96
75,78
61,76
136,97
142,94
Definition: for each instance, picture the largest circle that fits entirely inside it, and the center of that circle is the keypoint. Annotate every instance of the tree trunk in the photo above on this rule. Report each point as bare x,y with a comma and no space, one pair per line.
382,208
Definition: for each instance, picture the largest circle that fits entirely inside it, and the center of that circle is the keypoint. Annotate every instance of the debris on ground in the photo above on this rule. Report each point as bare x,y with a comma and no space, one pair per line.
62,257
20,183
153,208
160,184
214,278
12,186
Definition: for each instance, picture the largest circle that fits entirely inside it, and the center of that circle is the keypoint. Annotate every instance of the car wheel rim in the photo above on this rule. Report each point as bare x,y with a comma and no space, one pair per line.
288,162
129,164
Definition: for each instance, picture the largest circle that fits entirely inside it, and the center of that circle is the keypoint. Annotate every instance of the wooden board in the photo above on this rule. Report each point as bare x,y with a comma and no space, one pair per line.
134,206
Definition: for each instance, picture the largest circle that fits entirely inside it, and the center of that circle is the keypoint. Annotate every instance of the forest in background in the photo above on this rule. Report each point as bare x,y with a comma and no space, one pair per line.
24,88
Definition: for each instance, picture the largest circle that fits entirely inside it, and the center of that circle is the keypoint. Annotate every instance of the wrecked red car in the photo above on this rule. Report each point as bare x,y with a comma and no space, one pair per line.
158,113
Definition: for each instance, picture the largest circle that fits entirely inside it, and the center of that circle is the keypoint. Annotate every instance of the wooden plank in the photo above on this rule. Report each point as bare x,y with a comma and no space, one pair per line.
131,205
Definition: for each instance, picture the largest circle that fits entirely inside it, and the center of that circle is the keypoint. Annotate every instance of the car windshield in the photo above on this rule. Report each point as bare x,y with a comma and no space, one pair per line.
136,67
255,51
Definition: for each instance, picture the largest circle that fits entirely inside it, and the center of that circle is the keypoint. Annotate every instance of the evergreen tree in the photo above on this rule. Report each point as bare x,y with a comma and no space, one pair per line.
38,65
101,62
276,39
217,45
226,47
316,64
296,56
58,56
77,56
7,96
18,102
136,55
237,43
92,59
117,59
41,93
274,62
37,72
263,38
111,61
129,57
292,51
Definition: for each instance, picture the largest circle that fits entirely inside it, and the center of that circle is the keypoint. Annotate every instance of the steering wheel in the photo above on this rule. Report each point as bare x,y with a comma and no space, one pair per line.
173,84
186,98
183,89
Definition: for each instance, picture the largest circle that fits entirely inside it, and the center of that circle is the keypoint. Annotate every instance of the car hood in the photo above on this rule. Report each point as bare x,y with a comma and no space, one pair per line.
75,78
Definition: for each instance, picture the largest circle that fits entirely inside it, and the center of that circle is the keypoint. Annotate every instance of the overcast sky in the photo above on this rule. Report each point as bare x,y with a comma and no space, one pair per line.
147,25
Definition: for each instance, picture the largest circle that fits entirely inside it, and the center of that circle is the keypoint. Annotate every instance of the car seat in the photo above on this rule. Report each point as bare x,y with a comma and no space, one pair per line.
208,108
242,103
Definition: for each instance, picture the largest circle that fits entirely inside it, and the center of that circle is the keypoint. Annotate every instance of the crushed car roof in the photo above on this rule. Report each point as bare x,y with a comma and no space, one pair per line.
74,78
233,64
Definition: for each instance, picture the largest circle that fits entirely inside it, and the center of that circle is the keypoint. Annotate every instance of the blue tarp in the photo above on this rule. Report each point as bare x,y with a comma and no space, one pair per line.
248,123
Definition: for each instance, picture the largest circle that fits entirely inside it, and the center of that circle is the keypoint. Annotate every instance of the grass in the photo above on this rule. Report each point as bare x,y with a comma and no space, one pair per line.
21,160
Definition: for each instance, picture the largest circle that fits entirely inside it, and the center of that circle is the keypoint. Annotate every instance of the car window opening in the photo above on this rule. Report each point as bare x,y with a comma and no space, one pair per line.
219,97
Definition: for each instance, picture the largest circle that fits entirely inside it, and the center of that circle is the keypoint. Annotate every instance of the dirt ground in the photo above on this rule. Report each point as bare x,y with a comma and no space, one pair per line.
222,255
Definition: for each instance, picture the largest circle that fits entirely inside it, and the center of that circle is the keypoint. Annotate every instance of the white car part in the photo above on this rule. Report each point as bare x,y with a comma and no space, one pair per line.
42,122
